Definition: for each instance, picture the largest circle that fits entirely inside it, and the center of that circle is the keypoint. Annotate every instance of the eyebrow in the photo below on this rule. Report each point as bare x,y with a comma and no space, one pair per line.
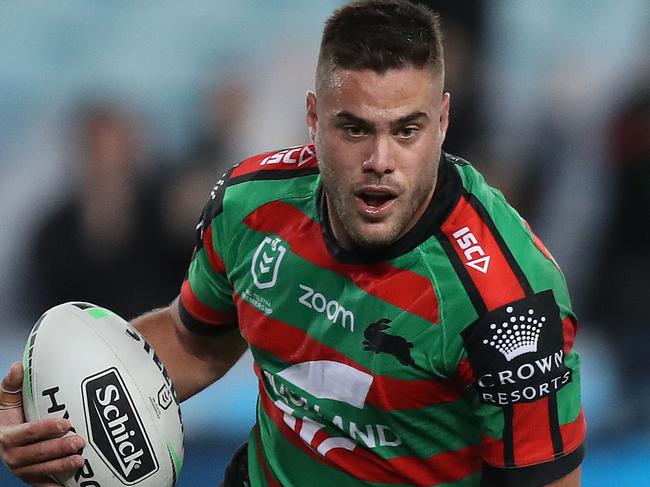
406,119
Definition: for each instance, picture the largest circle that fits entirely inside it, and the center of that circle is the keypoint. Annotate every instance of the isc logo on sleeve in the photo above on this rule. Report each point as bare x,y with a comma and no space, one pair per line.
297,155
474,254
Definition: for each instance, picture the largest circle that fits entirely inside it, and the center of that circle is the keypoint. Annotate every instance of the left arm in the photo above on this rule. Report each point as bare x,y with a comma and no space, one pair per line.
571,480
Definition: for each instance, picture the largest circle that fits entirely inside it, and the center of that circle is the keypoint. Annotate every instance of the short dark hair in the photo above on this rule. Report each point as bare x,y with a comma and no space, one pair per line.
380,35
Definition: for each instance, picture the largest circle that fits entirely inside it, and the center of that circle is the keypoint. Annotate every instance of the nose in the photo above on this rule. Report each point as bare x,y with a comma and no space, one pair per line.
380,160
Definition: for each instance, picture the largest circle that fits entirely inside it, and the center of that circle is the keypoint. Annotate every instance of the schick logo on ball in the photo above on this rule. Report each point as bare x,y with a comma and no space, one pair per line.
115,429
266,262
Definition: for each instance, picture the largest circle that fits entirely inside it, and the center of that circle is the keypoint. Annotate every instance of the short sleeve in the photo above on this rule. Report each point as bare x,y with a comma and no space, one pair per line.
206,304
525,391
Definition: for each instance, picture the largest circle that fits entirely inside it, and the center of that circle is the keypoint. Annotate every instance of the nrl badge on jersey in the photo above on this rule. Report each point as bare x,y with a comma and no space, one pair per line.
266,262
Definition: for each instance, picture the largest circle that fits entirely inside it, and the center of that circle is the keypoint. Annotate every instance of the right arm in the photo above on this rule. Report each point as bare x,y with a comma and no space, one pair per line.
193,361
34,450
194,356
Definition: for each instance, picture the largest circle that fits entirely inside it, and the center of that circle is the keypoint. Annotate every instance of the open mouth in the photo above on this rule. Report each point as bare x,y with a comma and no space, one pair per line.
375,201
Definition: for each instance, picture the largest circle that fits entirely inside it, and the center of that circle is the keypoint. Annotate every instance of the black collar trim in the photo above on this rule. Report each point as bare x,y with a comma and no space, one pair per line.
448,191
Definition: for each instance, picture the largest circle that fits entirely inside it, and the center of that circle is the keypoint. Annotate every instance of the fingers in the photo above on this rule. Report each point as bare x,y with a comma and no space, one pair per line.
44,482
33,432
10,388
34,450
14,378
43,452
38,472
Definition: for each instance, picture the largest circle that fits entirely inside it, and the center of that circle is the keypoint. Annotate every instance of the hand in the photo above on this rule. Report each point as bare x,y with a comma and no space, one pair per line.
34,450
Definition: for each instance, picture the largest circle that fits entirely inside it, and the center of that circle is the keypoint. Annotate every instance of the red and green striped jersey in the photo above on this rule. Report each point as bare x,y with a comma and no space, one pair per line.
443,359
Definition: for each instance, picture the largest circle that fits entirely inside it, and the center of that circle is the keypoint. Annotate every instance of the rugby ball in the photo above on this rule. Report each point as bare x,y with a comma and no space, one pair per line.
85,363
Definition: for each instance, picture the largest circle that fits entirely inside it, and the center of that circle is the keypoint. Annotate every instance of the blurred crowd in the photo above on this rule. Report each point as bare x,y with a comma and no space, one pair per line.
563,129
123,237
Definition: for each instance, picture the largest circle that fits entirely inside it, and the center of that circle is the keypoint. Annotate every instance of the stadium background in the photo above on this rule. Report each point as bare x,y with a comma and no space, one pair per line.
550,101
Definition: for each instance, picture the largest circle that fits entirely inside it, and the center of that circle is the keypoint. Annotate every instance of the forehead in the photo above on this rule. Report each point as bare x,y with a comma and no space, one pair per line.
371,94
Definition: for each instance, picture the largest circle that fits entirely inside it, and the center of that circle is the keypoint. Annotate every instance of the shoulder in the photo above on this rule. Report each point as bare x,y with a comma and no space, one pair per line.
495,255
483,225
286,163
263,178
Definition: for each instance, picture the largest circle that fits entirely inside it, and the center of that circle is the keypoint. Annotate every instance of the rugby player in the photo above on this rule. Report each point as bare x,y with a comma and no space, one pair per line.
407,326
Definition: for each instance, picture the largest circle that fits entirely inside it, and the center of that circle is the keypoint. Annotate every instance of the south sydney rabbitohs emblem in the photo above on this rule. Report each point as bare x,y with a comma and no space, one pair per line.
517,351
266,262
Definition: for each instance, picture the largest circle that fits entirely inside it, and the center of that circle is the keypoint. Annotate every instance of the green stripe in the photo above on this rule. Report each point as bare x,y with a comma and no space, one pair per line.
568,397
420,429
210,289
306,471
286,299
27,382
178,461
241,199
98,312
303,470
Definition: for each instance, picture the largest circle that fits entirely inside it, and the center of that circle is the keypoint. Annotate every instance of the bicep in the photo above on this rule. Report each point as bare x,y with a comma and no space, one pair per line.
192,361
524,384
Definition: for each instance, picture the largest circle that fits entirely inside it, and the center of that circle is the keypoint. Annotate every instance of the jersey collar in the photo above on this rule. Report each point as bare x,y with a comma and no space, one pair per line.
448,190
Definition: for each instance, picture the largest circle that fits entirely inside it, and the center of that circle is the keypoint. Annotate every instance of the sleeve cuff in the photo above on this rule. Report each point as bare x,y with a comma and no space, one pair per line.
535,475
201,328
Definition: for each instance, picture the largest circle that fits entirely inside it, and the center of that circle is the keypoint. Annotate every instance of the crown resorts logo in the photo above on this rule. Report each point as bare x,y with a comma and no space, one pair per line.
517,352
516,335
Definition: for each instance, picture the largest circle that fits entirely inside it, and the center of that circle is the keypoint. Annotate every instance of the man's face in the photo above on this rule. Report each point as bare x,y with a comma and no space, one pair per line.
378,140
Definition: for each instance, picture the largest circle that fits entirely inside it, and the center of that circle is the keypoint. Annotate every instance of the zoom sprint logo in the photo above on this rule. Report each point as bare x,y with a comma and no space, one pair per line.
331,308
115,429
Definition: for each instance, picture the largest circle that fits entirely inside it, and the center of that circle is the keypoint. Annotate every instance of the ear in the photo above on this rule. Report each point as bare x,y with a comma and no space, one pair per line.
444,115
312,115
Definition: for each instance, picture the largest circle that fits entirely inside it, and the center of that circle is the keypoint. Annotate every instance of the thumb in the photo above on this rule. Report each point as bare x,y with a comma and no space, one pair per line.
14,378
11,398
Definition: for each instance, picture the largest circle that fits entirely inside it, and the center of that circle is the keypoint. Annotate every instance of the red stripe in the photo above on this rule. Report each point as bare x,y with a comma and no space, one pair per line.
532,441
201,312
294,346
492,451
569,326
540,245
215,261
362,464
465,373
573,433
270,479
531,432
499,285
416,294
300,157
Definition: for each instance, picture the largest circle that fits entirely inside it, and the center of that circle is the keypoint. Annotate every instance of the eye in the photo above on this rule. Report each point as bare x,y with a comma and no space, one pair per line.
407,132
354,131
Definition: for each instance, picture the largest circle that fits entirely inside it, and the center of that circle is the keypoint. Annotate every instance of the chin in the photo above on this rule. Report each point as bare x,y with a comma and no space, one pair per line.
374,238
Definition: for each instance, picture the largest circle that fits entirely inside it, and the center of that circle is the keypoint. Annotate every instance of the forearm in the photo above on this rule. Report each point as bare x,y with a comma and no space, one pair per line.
570,480
193,362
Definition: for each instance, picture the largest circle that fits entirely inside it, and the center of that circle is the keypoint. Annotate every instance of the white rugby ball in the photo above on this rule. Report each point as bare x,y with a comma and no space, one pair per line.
87,364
